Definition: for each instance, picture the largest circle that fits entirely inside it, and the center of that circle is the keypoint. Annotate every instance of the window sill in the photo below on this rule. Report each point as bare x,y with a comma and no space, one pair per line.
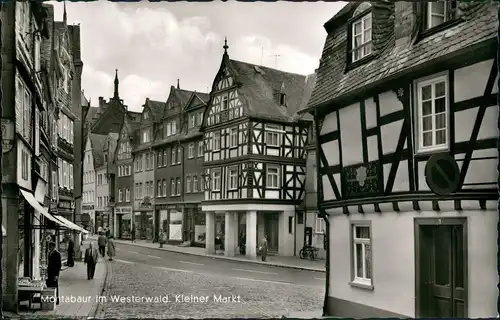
425,152
366,59
233,147
232,189
190,158
272,146
359,285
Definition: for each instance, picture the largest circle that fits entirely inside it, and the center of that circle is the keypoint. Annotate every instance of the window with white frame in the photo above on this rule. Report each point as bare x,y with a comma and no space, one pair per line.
191,151
432,105
174,155
159,192
70,174
120,195
200,149
179,155
362,254
127,195
233,178
172,187
188,184
164,187
234,138
320,224
178,189
437,13
273,134
195,183
192,120
272,176
200,118
216,141
216,181
361,41
202,182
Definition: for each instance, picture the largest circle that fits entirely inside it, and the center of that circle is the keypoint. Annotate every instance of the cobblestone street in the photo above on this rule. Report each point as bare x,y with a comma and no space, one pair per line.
256,298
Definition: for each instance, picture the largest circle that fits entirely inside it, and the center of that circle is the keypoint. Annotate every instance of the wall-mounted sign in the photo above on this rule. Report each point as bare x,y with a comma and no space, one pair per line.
66,204
123,210
8,132
442,174
88,207
169,206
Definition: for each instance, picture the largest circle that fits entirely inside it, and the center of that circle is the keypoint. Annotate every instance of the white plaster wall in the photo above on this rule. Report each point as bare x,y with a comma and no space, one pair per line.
285,239
101,190
394,257
389,103
350,133
470,81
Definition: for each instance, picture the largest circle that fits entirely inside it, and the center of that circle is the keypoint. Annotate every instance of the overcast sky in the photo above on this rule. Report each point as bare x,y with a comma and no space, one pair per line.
154,44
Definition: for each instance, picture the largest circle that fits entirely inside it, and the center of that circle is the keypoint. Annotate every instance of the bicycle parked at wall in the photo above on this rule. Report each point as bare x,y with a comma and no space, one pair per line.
309,252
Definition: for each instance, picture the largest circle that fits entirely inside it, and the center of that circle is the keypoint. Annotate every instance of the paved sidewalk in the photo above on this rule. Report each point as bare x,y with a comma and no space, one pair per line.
278,261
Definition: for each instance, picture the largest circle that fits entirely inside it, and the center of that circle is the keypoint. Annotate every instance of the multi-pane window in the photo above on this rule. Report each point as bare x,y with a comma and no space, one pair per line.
174,155
165,157
224,103
216,181
272,176
172,187
191,151
437,13
65,128
23,109
432,103
25,165
192,120
164,187
200,149
188,184
273,134
233,178
234,138
136,191
195,183
216,141
200,118
362,258
178,188
202,182
127,195
120,195
361,37
320,224
171,129
159,191
179,156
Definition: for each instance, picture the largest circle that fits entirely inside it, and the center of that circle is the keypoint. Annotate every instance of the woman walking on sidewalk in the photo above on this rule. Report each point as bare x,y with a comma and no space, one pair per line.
111,248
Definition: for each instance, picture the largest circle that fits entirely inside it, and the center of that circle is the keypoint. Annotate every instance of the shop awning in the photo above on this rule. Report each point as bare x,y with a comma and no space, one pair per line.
38,207
70,224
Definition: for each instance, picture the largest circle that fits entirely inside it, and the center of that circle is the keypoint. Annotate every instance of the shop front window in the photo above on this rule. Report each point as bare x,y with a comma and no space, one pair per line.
164,220
124,225
175,226
199,227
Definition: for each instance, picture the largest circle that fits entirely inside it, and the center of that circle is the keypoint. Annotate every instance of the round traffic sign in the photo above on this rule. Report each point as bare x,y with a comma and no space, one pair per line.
442,174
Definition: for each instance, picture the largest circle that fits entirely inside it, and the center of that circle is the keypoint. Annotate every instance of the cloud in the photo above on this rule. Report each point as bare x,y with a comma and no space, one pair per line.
153,45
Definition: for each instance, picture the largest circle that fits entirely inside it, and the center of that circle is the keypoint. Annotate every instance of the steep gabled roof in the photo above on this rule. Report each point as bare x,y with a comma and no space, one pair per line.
306,95
479,25
156,108
197,99
260,85
98,142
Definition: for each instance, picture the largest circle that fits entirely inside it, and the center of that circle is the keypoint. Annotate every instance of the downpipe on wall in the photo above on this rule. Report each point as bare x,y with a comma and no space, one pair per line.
327,265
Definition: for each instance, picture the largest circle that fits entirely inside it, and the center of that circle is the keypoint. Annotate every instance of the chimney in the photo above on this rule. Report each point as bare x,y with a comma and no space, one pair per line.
101,102
178,87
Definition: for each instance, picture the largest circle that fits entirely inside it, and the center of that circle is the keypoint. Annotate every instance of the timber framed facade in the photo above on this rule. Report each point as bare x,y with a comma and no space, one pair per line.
425,120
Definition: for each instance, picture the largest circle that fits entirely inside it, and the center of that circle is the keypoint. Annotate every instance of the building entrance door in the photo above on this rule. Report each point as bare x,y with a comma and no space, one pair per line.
441,261
271,229
188,225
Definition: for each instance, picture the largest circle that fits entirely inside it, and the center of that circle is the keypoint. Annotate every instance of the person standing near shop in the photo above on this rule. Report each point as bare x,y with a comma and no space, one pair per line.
71,253
53,269
132,234
101,242
264,248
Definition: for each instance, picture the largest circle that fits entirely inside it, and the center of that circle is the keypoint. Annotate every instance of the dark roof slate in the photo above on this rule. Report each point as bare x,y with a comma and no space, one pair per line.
480,24
260,85
157,108
98,142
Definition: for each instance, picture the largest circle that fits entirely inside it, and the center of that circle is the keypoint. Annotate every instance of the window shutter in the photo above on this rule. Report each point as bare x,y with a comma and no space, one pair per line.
37,132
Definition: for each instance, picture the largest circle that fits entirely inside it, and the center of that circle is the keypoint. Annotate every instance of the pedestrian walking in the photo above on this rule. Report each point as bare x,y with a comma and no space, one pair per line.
132,234
111,248
101,242
264,248
108,232
71,253
53,269
90,260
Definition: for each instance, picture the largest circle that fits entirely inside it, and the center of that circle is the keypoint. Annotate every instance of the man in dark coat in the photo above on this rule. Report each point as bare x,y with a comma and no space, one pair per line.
53,269
71,253
102,241
91,256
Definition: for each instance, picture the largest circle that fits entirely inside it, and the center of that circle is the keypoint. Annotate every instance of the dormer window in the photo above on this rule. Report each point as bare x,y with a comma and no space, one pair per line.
146,115
361,37
438,12
282,99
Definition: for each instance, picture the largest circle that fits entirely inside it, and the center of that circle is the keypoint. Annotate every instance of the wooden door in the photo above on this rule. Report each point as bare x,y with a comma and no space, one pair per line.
442,277
272,231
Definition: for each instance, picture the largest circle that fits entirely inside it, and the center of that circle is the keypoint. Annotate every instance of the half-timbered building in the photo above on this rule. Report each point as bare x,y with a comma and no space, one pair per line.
406,119
254,159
